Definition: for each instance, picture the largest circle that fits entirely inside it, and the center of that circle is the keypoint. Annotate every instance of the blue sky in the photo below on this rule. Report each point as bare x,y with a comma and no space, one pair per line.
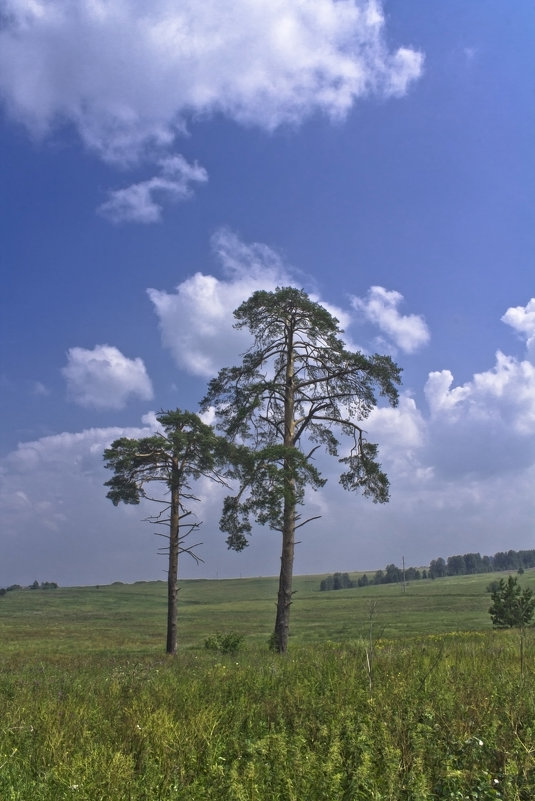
158,168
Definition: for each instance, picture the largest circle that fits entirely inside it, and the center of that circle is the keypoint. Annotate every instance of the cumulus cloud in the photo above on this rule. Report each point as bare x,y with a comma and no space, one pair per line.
461,471
487,425
80,449
196,319
57,523
129,75
402,434
142,202
380,307
522,319
103,378
504,393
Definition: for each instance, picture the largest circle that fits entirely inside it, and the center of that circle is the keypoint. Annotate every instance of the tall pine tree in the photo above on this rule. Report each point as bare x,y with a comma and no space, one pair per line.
186,450
297,389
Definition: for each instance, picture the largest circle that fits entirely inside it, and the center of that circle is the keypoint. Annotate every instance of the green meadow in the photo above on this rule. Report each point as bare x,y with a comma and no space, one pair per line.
385,695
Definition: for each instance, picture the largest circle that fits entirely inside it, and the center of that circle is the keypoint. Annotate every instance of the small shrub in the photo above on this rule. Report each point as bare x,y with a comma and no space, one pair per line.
228,643
511,606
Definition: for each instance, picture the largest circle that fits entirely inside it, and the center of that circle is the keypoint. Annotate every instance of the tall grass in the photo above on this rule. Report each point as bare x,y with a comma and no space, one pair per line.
446,717
91,709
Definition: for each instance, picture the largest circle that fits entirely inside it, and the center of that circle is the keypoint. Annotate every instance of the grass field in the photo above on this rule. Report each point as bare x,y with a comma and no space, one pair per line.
131,617
433,707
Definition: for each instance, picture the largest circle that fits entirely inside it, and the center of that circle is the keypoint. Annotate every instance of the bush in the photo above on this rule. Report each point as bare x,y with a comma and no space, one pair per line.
228,643
511,606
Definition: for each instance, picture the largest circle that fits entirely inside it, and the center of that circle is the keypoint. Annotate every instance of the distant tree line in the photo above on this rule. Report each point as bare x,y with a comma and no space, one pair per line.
44,585
390,575
458,565
470,563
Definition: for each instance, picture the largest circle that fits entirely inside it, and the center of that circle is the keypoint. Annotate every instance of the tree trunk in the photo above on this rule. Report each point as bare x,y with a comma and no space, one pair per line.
172,574
284,598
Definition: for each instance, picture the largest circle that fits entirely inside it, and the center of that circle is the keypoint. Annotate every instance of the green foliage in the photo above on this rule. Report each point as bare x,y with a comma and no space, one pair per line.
512,607
448,718
44,585
390,575
229,643
138,463
338,581
470,563
264,490
437,568
297,366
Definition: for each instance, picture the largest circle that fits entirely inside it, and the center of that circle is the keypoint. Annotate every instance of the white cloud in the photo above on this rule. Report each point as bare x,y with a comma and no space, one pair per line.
380,307
522,319
103,378
142,202
461,474
487,425
57,524
401,432
129,75
441,398
68,449
196,320
506,393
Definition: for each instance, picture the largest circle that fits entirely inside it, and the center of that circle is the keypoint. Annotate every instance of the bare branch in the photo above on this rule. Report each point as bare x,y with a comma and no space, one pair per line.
308,520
